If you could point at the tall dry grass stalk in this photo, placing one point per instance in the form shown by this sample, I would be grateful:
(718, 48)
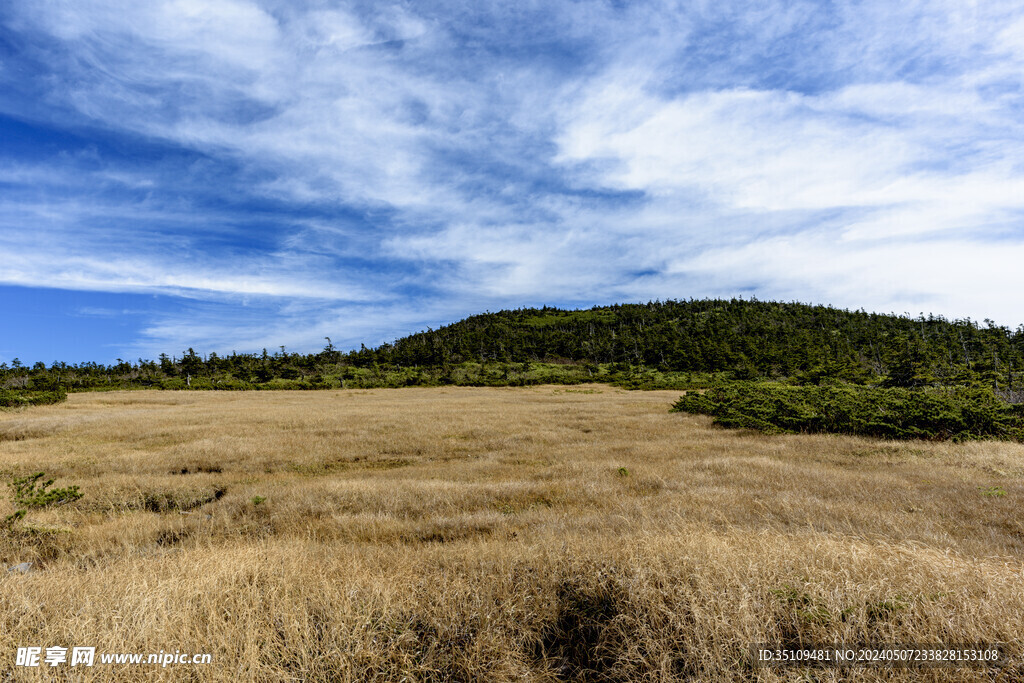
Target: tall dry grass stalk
(537, 534)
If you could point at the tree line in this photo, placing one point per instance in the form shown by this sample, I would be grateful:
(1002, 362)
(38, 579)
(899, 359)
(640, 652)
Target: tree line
(745, 339)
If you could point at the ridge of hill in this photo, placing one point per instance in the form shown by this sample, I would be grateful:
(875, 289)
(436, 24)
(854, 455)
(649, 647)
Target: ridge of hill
(749, 338)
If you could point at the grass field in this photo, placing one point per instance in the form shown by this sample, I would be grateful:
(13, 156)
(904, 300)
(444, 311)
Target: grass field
(534, 534)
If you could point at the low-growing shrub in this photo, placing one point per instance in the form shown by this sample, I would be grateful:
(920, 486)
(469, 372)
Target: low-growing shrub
(992, 491)
(17, 399)
(894, 413)
(28, 493)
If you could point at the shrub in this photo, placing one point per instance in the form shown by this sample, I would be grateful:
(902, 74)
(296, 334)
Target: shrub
(893, 413)
(27, 493)
(17, 399)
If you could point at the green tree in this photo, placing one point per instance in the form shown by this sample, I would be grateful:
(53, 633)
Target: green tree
(911, 364)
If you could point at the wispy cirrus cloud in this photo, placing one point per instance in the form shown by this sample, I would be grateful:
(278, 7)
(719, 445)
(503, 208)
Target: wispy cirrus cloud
(291, 169)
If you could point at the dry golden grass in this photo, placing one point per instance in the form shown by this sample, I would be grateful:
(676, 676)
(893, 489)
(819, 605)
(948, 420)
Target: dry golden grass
(490, 535)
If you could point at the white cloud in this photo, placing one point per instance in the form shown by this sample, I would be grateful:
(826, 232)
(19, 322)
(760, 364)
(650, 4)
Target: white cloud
(334, 121)
(941, 276)
(62, 270)
(249, 327)
(495, 155)
(777, 151)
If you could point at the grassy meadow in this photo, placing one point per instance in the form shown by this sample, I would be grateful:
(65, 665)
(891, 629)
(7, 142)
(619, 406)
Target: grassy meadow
(494, 534)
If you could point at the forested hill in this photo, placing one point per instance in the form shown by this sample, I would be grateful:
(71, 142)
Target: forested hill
(640, 345)
(750, 338)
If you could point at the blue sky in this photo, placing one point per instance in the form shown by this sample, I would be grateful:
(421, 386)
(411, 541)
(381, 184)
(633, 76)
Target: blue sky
(240, 174)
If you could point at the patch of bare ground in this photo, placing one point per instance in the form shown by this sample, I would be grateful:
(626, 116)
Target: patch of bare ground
(494, 535)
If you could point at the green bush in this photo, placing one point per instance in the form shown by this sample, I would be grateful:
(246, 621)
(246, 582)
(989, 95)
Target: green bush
(893, 413)
(28, 492)
(17, 399)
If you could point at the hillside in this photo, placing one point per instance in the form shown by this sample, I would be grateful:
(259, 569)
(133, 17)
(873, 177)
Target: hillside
(745, 339)
(748, 338)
